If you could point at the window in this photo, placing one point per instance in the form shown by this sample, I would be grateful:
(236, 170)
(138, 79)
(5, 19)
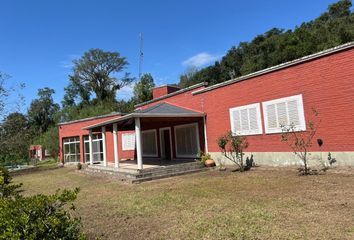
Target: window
(246, 120)
(71, 149)
(187, 140)
(97, 147)
(149, 143)
(128, 141)
(284, 112)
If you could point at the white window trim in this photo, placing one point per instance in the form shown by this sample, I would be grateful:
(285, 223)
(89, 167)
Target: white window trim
(71, 154)
(259, 120)
(124, 148)
(150, 155)
(198, 144)
(160, 132)
(93, 140)
(301, 127)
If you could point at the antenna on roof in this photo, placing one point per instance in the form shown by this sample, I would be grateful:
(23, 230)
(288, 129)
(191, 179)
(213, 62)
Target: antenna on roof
(141, 55)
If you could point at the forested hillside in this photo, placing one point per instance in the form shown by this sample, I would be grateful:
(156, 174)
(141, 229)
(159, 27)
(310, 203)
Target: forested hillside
(276, 46)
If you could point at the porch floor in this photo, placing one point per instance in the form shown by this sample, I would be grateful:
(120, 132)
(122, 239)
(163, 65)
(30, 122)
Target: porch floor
(152, 169)
(148, 163)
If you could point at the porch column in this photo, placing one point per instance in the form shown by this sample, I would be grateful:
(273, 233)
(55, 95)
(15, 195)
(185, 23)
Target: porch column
(138, 143)
(205, 135)
(115, 142)
(90, 144)
(104, 146)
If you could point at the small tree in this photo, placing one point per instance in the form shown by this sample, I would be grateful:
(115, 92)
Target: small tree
(301, 141)
(233, 147)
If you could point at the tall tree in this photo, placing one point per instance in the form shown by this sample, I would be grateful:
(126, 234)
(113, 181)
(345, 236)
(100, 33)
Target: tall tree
(15, 137)
(143, 88)
(42, 110)
(94, 73)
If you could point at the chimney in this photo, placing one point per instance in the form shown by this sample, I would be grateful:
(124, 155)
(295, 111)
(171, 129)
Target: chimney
(164, 90)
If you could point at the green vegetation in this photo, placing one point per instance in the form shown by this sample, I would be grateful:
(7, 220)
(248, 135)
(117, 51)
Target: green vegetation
(233, 148)
(143, 89)
(15, 138)
(38, 216)
(276, 46)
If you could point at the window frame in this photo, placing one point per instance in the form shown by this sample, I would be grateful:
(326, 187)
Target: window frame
(175, 138)
(247, 132)
(124, 135)
(95, 138)
(156, 145)
(300, 108)
(67, 141)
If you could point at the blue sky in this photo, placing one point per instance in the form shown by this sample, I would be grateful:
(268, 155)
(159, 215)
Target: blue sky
(39, 39)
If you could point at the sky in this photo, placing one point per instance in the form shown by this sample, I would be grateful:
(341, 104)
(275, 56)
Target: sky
(40, 38)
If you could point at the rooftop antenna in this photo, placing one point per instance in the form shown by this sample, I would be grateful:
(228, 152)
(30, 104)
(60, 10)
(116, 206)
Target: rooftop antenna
(141, 55)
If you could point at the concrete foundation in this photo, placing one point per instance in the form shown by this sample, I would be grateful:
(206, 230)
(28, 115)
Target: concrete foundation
(290, 159)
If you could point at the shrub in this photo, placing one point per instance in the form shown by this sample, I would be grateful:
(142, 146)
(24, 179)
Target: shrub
(233, 148)
(38, 216)
(301, 141)
(204, 156)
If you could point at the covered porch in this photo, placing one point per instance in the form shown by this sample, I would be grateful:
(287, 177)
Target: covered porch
(164, 135)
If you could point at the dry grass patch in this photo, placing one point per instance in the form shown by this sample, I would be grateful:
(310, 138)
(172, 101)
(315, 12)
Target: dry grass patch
(264, 203)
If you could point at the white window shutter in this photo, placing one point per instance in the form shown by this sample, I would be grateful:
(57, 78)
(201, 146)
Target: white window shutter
(246, 120)
(293, 113)
(284, 112)
(253, 118)
(128, 141)
(271, 116)
(236, 121)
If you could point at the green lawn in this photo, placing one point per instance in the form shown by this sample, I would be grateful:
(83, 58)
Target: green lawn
(260, 204)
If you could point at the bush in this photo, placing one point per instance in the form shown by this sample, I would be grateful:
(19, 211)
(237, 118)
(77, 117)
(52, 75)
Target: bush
(204, 156)
(38, 216)
(8, 190)
(233, 147)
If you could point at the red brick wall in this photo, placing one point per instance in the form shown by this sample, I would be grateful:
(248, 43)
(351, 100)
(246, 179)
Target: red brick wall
(326, 83)
(75, 129)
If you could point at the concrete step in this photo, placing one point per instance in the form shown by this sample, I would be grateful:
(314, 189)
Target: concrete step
(155, 177)
(147, 174)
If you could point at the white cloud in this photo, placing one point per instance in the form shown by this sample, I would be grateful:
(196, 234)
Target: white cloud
(200, 59)
(125, 93)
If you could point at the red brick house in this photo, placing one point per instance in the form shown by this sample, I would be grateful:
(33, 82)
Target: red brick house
(38, 152)
(177, 123)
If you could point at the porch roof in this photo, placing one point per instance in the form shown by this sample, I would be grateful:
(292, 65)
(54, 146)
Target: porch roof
(160, 110)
